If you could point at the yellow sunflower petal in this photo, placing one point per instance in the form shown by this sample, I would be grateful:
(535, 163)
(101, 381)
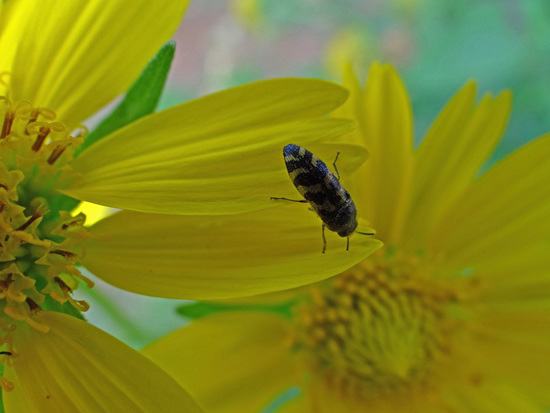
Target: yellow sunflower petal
(213, 257)
(93, 212)
(76, 367)
(353, 107)
(232, 362)
(459, 399)
(525, 373)
(13, 15)
(506, 210)
(522, 275)
(387, 133)
(492, 397)
(525, 366)
(454, 149)
(15, 402)
(506, 395)
(218, 154)
(510, 320)
(74, 57)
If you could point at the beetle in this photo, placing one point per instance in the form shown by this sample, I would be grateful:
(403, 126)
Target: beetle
(322, 189)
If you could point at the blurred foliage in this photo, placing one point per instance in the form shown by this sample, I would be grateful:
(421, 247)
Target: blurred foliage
(437, 46)
(198, 309)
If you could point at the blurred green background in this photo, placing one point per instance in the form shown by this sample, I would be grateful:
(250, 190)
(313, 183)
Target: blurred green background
(437, 45)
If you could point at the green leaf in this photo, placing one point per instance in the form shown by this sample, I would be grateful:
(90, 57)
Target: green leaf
(140, 100)
(200, 309)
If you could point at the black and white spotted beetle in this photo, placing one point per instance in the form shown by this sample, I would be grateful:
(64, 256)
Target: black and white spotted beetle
(322, 190)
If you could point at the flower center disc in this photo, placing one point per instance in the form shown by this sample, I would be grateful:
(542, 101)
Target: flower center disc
(376, 328)
(39, 241)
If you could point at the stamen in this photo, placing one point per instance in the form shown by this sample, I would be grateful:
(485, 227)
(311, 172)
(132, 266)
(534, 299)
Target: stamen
(80, 132)
(33, 118)
(14, 313)
(35, 215)
(6, 126)
(63, 285)
(30, 113)
(26, 111)
(76, 273)
(5, 283)
(36, 325)
(43, 132)
(76, 222)
(33, 307)
(16, 295)
(56, 153)
(80, 305)
(66, 254)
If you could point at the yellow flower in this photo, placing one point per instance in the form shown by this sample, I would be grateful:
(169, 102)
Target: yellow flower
(248, 12)
(351, 44)
(451, 316)
(62, 61)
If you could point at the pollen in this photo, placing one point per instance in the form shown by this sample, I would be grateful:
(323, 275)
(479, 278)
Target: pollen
(40, 245)
(381, 326)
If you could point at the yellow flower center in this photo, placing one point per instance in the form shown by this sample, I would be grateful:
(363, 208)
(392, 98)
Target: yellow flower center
(380, 326)
(40, 242)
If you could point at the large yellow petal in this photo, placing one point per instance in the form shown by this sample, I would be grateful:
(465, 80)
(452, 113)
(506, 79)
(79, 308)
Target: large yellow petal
(74, 56)
(218, 154)
(489, 397)
(223, 181)
(235, 362)
(454, 149)
(522, 370)
(521, 275)
(13, 15)
(506, 210)
(386, 125)
(509, 353)
(76, 367)
(506, 396)
(353, 107)
(213, 257)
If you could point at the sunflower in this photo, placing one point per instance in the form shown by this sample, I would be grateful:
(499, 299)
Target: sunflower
(452, 315)
(61, 62)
